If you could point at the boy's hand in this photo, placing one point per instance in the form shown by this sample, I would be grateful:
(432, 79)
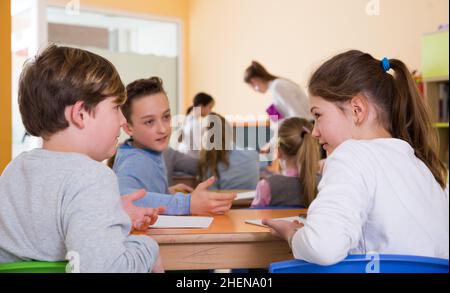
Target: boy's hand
(158, 266)
(282, 229)
(206, 202)
(140, 217)
(181, 187)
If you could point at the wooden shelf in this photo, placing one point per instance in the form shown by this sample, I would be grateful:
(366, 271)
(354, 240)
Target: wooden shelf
(440, 125)
(435, 52)
(431, 87)
(437, 79)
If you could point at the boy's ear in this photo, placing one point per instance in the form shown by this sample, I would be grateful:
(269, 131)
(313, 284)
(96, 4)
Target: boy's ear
(76, 114)
(128, 128)
(359, 107)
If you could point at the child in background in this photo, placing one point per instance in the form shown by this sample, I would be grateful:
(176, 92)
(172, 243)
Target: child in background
(62, 199)
(139, 161)
(299, 156)
(234, 169)
(383, 188)
(179, 164)
(201, 107)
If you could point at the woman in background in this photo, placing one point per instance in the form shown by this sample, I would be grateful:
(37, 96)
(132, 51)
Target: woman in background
(201, 107)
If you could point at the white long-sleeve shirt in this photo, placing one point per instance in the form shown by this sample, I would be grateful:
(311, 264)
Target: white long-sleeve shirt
(289, 99)
(375, 196)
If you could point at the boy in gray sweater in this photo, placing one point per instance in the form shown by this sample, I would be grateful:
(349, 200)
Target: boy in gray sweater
(60, 201)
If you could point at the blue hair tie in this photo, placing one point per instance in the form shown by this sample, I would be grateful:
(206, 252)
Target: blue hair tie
(385, 63)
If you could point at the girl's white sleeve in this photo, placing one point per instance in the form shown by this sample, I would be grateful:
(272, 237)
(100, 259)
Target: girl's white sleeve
(336, 217)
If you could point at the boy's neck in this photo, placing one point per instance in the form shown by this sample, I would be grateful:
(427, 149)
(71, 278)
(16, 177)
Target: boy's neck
(62, 142)
(137, 145)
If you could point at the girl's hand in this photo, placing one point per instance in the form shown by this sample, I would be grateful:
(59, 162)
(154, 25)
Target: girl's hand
(181, 187)
(282, 229)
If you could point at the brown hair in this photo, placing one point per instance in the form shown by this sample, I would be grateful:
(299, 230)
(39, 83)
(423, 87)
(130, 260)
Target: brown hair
(140, 88)
(400, 108)
(296, 142)
(210, 159)
(60, 77)
(135, 90)
(256, 70)
(200, 99)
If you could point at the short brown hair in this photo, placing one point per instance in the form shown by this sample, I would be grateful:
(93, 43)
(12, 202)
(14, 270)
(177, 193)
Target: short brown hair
(60, 77)
(140, 88)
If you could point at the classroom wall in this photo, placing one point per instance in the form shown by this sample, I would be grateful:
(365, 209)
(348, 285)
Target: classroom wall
(166, 9)
(292, 37)
(5, 84)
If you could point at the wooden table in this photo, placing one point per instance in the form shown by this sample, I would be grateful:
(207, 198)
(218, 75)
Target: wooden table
(228, 243)
(240, 203)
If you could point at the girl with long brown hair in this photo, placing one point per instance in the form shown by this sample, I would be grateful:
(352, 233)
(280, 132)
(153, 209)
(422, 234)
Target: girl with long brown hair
(233, 168)
(383, 188)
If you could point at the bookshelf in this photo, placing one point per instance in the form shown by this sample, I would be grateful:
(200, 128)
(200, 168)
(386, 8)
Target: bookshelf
(435, 52)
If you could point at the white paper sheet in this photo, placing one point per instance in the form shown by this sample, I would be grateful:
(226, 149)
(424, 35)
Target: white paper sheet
(289, 219)
(246, 195)
(182, 222)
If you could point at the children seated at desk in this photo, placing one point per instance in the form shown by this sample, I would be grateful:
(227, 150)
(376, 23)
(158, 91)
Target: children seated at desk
(139, 161)
(298, 153)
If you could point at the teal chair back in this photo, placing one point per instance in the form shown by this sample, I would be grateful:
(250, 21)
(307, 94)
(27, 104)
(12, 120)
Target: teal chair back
(34, 267)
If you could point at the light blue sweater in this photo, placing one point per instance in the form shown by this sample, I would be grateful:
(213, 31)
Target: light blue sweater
(141, 168)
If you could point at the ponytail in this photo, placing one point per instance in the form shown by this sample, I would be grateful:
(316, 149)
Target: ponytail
(307, 158)
(296, 141)
(411, 121)
(189, 110)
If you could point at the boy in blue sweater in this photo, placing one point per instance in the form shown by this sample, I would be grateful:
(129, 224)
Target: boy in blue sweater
(139, 162)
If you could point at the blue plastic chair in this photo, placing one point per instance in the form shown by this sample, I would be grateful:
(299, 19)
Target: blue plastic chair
(383, 263)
